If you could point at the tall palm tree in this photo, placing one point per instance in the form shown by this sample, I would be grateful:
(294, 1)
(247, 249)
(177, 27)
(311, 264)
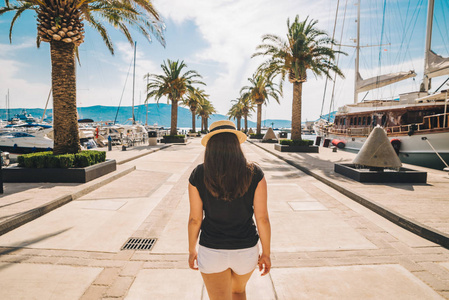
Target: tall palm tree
(247, 108)
(173, 84)
(306, 48)
(205, 110)
(193, 99)
(60, 23)
(260, 89)
(236, 112)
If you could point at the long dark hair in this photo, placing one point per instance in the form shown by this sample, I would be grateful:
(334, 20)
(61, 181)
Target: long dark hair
(227, 174)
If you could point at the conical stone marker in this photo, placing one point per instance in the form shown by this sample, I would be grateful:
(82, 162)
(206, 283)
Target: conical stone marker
(269, 135)
(377, 151)
(250, 131)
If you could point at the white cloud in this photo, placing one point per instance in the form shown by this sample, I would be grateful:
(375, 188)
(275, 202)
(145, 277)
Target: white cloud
(232, 30)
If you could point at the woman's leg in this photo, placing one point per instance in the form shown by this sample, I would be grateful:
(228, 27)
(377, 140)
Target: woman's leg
(218, 285)
(238, 285)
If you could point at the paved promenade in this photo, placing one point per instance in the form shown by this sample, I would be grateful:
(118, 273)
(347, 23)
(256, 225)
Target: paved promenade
(324, 244)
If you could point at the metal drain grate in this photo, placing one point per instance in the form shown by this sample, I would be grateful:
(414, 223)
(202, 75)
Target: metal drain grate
(139, 244)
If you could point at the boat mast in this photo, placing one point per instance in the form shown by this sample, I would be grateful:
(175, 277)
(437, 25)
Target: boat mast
(426, 80)
(134, 79)
(357, 51)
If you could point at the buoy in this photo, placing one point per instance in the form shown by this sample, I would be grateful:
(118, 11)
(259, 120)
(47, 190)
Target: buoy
(396, 143)
(338, 143)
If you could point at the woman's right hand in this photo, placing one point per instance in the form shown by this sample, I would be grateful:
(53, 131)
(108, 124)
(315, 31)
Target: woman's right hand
(264, 264)
(193, 256)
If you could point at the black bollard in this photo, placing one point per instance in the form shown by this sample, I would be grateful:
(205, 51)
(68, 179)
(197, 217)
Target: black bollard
(109, 143)
(1, 172)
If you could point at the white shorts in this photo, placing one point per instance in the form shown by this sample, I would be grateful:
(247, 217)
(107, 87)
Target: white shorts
(241, 261)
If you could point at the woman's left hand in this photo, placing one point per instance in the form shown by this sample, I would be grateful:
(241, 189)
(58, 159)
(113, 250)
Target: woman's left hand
(193, 256)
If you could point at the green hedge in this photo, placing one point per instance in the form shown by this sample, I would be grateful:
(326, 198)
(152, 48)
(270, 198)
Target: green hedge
(256, 136)
(174, 137)
(296, 142)
(48, 160)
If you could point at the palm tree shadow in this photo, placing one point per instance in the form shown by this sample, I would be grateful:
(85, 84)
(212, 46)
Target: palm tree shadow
(20, 245)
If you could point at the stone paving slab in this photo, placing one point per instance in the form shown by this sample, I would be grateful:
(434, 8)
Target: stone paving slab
(350, 282)
(36, 281)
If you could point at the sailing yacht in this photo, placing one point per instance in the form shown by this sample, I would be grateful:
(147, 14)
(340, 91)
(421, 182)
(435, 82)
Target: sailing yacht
(416, 124)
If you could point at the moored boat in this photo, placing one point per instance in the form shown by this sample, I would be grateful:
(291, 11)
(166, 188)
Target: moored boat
(416, 123)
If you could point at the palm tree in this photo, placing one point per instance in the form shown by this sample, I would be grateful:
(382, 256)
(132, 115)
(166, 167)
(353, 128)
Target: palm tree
(60, 23)
(205, 109)
(306, 48)
(247, 108)
(172, 84)
(236, 112)
(192, 101)
(260, 89)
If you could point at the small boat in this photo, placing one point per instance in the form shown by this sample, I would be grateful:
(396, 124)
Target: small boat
(22, 142)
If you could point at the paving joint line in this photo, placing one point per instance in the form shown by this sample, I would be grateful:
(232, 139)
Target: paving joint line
(409, 224)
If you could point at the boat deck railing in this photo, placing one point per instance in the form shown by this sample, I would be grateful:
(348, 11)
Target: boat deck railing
(430, 123)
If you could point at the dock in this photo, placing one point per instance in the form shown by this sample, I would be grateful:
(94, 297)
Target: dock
(328, 241)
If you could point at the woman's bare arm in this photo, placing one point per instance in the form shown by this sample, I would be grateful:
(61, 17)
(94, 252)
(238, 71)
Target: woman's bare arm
(195, 220)
(263, 225)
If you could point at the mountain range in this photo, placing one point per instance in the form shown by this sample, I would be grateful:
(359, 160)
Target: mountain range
(159, 114)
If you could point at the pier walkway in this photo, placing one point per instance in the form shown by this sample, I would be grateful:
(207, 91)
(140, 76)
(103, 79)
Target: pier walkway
(324, 244)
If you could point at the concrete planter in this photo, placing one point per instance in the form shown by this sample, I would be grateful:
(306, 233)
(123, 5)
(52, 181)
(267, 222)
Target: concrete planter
(404, 175)
(304, 149)
(74, 175)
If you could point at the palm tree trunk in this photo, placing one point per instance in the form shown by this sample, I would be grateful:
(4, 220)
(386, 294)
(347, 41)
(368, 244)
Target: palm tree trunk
(246, 123)
(206, 125)
(259, 119)
(238, 123)
(63, 79)
(193, 121)
(296, 110)
(174, 117)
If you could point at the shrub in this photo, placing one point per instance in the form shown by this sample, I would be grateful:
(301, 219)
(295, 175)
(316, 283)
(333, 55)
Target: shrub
(174, 137)
(256, 136)
(48, 160)
(66, 160)
(296, 142)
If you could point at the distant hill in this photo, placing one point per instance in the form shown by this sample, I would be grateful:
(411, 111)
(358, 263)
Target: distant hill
(160, 114)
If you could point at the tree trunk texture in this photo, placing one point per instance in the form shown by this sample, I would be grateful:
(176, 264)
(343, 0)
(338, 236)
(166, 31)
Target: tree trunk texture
(206, 123)
(63, 79)
(246, 123)
(238, 123)
(259, 119)
(174, 117)
(193, 121)
(296, 110)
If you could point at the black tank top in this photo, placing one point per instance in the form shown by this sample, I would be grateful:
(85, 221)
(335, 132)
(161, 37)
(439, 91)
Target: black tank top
(227, 224)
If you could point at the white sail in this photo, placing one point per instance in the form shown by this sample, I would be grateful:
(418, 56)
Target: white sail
(436, 65)
(363, 85)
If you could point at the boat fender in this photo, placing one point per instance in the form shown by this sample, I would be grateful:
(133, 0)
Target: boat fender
(338, 143)
(396, 143)
(413, 127)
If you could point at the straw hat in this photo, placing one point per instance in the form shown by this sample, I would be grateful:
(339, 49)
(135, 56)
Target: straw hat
(220, 127)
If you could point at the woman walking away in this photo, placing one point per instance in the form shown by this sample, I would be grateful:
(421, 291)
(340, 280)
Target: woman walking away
(229, 190)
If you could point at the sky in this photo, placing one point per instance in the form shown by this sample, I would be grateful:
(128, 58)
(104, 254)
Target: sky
(217, 38)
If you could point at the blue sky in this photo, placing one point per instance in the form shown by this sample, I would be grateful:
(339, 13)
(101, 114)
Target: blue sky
(217, 38)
